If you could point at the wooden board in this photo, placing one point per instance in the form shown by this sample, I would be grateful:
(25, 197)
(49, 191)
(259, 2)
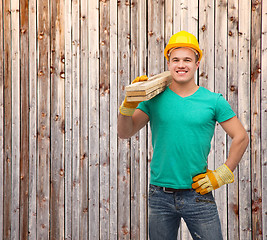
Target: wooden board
(84, 128)
(151, 82)
(57, 120)
(145, 92)
(142, 91)
(244, 206)
(146, 97)
(255, 118)
(24, 120)
(32, 194)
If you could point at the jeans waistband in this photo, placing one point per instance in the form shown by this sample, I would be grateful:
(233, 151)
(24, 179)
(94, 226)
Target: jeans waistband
(171, 190)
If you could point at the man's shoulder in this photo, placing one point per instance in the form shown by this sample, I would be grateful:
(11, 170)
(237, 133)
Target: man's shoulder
(209, 93)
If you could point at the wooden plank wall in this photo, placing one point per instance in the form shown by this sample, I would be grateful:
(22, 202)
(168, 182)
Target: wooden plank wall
(64, 66)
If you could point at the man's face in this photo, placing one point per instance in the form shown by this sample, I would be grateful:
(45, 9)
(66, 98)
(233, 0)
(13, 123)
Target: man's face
(182, 65)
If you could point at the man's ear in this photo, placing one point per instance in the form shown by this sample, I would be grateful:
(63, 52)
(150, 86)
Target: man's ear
(197, 63)
(168, 64)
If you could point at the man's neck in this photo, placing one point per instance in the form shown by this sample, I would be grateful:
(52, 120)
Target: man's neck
(184, 89)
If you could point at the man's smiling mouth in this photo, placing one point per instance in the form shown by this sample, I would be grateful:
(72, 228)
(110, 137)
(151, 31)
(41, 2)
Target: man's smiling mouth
(181, 72)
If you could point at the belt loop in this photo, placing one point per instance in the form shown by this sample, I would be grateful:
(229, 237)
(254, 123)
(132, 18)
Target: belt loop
(166, 191)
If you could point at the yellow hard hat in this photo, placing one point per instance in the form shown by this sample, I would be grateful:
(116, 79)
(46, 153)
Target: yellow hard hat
(182, 39)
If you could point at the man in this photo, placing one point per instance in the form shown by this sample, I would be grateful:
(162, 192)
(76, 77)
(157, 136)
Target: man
(182, 121)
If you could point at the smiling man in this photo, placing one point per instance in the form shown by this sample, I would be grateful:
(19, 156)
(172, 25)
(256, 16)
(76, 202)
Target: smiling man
(182, 121)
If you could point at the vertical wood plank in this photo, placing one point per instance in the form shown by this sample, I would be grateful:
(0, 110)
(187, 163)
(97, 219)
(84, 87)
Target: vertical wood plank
(68, 122)
(255, 120)
(43, 155)
(244, 116)
(185, 25)
(168, 24)
(220, 86)
(189, 16)
(142, 48)
(113, 120)
(155, 37)
(33, 120)
(264, 117)
(135, 147)
(57, 121)
(76, 204)
(104, 92)
(233, 218)
(24, 138)
(123, 144)
(176, 16)
(15, 78)
(7, 120)
(94, 120)
(2, 159)
(84, 122)
(206, 41)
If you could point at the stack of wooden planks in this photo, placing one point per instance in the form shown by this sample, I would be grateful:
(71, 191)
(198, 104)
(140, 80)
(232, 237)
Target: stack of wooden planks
(143, 91)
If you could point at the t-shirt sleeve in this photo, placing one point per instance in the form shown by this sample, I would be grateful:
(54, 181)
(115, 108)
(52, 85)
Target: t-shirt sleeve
(144, 106)
(223, 110)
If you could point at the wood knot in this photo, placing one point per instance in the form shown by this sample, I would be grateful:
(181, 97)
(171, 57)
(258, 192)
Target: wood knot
(62, 75)
(40, 73)
(23, 30)
(61, 172)
(204, 28)
(232, 88)
(41, 36)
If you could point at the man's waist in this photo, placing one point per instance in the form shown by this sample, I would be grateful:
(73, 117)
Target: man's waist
(171, 190)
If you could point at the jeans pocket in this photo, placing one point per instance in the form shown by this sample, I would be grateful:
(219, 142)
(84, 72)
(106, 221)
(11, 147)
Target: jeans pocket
(207, 198)
(153, 190)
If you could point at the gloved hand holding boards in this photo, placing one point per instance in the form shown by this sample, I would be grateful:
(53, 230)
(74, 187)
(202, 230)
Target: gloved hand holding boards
(128, 108)
(211, 180)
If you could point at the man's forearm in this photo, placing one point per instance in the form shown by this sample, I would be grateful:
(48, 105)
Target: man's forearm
(237, 149)
(125, 126)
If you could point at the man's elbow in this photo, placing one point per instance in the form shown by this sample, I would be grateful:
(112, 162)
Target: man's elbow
(123, 134)
(244, 139)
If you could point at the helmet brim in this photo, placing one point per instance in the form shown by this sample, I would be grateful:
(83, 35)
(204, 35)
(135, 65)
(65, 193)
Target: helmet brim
(177, 45)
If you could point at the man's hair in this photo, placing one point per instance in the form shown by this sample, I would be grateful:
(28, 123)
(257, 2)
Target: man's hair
(196, 53)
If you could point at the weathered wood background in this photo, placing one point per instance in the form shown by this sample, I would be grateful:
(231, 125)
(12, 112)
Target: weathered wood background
(64, 65)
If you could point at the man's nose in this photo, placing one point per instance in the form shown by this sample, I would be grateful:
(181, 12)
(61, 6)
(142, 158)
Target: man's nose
(181, 64)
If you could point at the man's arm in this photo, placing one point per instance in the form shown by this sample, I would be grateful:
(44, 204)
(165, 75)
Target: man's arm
(129, 125)
(240, 140)
(211, 180)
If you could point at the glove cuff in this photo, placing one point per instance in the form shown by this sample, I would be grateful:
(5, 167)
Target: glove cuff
(225, 174)
(126, 111)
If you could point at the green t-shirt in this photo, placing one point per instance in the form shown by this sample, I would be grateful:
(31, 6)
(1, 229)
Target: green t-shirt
(182, 130)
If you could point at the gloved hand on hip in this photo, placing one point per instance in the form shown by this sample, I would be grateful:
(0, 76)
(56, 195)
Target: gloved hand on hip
(211, 180)
(128, 108)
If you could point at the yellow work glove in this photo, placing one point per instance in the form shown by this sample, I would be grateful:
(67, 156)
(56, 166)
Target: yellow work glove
(211, 180)
(128, 108)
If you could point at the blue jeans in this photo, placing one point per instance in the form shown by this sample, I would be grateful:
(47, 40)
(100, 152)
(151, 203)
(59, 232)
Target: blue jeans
(198, 211)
